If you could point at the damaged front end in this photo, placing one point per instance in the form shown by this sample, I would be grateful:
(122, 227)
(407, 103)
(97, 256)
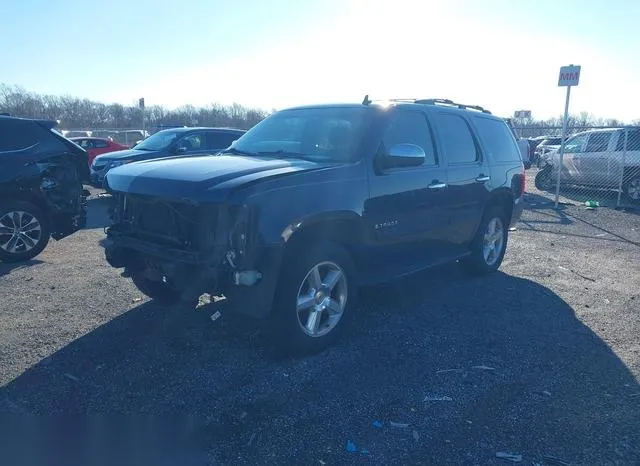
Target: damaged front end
(63, 195)
(195, 247)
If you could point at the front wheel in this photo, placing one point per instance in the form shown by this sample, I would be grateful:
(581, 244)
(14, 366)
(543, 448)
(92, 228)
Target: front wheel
(316, 296)
(490, 243)
(544, 179)
(24, 231)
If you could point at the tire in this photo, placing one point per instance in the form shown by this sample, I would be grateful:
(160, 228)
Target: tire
(309, 313)
(544, 179)
(31, 235)
(485, 259)
(162, 292)
(632, 188)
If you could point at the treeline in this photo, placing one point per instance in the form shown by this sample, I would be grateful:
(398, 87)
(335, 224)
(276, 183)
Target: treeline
(77, 113)
(553, 126)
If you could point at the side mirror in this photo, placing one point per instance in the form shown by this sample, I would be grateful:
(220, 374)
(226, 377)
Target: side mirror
(405, 155)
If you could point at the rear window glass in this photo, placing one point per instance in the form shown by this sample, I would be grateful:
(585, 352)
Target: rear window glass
(497, 139)
(17, 135)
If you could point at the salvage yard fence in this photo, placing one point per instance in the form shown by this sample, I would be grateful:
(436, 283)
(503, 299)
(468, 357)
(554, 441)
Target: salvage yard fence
(600, 166)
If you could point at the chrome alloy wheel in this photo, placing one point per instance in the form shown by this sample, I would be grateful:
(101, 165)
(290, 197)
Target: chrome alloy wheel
(493, 241)
(322, 298)
(19, 232)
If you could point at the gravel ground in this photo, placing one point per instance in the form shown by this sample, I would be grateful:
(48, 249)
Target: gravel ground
(540, 359)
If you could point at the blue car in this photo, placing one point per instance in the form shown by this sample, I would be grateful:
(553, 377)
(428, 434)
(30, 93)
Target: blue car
(166, 143)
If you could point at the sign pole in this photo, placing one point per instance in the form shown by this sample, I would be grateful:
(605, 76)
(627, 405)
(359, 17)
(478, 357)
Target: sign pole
(565, 121)
(569, 76)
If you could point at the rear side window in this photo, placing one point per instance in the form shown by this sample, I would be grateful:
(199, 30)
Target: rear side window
(410, 128)
(497, 139)
(457, 140)
(17, 134)
(598, 142)
(98, 144)
(633, 140)
(219, 140)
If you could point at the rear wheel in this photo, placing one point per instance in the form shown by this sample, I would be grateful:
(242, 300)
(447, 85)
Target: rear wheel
(632, 187)
(316, 297)
(24, 231)
(490, 243)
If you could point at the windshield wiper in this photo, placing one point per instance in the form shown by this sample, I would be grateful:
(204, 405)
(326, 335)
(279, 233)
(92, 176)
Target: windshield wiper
(233, 150)
(286, 153)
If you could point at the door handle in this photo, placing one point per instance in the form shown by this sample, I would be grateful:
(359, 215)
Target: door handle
(482, 178)
(437, 185)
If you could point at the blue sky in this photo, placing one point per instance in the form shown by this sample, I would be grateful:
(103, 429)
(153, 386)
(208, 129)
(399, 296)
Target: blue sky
(501, 54)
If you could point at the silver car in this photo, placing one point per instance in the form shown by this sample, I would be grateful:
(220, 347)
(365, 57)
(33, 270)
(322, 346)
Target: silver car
(599, 159)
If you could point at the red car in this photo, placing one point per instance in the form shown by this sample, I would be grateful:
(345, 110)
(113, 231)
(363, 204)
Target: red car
(97, 146)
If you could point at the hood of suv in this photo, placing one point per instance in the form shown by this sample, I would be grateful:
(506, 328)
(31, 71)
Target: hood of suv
(131, 154)
(195, 177)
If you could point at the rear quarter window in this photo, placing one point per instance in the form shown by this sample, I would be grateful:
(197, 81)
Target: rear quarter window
(17, 134)
(497, 139)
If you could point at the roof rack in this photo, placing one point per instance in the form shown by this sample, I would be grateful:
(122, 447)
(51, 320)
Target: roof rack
(448, 102)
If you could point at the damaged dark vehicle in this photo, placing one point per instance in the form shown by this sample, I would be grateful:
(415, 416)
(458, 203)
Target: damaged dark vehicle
(41, 190)
(314, 202)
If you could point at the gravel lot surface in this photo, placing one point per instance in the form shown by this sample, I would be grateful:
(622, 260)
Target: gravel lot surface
(540, 359)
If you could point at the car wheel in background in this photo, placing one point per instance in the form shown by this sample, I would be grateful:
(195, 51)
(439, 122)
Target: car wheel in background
(24, 231)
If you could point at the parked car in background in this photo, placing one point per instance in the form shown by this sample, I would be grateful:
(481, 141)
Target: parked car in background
(546, 145)
(312, 203)
(41, 192)
(169, 142)
(97, 146)
(597, 159)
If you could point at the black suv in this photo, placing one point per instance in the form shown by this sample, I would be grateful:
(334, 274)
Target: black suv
(176, 141)
(314, 202)
(41, 192)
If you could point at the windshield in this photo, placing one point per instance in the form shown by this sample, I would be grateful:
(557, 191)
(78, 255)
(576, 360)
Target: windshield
(160, 140)
(328, 134)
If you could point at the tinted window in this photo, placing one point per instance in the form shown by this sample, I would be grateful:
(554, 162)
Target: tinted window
(598, 142)
(410, 128)
(220, 141)
(17, 134)
(633, 140)
(457, 139)
(192, 142)
(98, 144)
(497, 140)
(329, 133)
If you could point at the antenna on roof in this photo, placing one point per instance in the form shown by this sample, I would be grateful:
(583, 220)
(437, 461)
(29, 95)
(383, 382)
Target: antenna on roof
(366, 100)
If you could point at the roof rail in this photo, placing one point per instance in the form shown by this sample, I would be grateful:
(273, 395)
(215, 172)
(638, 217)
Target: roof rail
(452, 104)
(448, 102)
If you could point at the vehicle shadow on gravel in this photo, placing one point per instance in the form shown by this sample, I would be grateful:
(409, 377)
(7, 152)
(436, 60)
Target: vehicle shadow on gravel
(503, 362)
(8, 267)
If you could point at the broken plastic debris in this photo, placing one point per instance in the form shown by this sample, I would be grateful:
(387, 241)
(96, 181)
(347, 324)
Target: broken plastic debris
(377, 424)
(136, 300)
(512, 229)
(513, 457)
(437, 398)
(215, 316)
(399, 425)
(351, 447)
(546, 392)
